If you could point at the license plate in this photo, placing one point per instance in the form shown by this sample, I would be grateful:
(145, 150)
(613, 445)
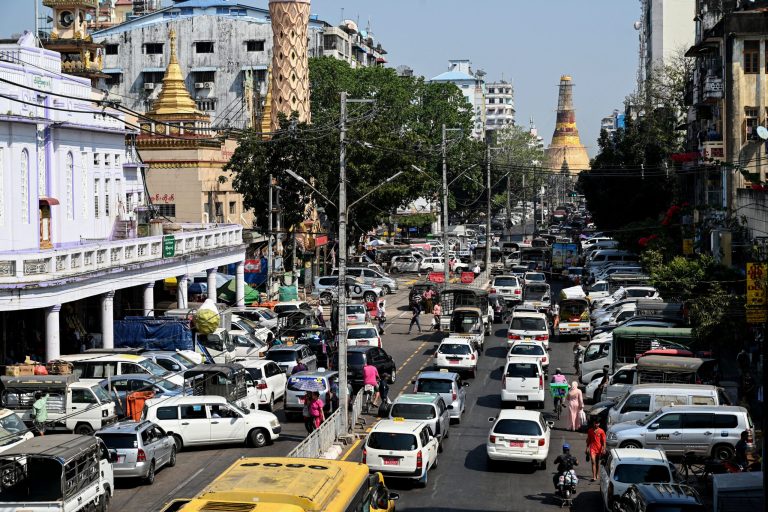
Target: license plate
(573, 325)
(362, 343)
(528, 338)
(391, 461)
(453, 361)
(351, 317)
(522, 397)
(516, 444)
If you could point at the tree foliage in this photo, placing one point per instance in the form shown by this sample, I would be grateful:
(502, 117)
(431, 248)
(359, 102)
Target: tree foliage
(400, 130)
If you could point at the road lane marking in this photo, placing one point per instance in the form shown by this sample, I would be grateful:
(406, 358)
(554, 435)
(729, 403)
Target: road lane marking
(351, 449)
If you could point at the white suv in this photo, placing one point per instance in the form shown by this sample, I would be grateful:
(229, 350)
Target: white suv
(522, 380)
(457, 355)
(519, 436)
(432, 264)
(508, 287)
(528, 326)
(401, 448)
(626, 466)
(206, 420)
(530, 349)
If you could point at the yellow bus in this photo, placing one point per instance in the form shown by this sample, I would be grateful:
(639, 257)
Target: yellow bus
(284, 484)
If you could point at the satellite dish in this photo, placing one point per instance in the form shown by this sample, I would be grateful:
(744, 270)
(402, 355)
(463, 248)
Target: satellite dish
(762, 132)
(638, 25)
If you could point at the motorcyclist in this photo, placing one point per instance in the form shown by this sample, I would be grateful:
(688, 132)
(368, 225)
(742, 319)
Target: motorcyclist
(565, 462)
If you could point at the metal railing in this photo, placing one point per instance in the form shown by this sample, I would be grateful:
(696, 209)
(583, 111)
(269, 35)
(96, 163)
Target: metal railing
(321, 439)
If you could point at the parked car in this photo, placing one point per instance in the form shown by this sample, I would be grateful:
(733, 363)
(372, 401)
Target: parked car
(520, 436)
(270, 380)
(448, 385)
(624, 467)
(679, 430)
(142, 449)
(661, 497)
(401, 449)
(326, 290)
(372, 277)
(643, 399)
(427, 407)
(264, 317)
(432, 264)
(94, 366)
(195, 421)
(14, 430)
(291, 305)
(288, 356)
(403, 264)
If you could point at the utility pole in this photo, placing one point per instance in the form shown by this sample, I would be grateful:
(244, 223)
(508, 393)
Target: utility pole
(270, 254)
(446, 270)
(341, 293)
(508, 220)
(37, 21)
(488, 236)
(525, 206)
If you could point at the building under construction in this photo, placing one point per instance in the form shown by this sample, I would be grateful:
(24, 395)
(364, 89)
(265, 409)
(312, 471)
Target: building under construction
(566, 151)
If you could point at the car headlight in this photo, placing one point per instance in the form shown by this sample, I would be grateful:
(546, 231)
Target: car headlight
(274, 423)
(612, 436)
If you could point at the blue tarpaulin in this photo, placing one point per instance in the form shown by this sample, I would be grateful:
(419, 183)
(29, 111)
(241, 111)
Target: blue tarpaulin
(153, 333)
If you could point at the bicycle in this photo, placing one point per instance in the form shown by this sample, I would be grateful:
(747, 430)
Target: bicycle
(367, 398)
(558, 390)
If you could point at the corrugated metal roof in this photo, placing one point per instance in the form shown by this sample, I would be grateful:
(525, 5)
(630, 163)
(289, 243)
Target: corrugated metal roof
(453, 76)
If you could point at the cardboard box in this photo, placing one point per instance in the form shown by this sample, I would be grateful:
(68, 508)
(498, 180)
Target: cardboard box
(20, 370)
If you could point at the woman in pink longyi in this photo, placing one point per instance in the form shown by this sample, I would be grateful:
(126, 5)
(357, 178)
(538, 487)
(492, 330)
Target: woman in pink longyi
(575, 403)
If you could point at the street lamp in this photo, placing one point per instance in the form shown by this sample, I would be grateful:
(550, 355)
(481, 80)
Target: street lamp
(308, 184)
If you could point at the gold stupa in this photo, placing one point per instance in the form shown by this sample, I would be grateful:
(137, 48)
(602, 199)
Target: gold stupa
(566, 148)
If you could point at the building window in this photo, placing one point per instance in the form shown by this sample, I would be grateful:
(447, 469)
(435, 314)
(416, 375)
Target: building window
(205, 76)
(117, 160)
(751, 56)
(96, 192)
(232, 207)
(84, 184)
(97, 159)
(107, 160)
(113, 79)
(219, 207)
(107, 183)
(153, 48)
(166, 210)
(110, 49)
(750, 122)
(24, 186)
(254, 45)
(206, 105)
(204, 47)
(69, 175)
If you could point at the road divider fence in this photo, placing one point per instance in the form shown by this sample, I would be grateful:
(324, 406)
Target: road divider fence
(323, 438)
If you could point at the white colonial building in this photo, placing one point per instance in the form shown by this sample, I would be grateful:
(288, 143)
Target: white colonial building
(472, 86)
(76, 248)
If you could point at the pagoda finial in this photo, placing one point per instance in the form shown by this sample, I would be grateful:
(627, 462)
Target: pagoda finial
(172, 35)
(174, 97)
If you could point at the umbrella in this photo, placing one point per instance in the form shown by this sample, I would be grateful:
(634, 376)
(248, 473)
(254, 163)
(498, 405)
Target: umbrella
(307, 383)
(227, 293)
(198, 288)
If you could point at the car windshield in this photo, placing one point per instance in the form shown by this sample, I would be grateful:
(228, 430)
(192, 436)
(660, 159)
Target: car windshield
(281, 356)
(285, 307)
(527, 350)
(167, 385)
(454, 348)
(413, 411)
(641, 474)
(535, 277)
(13, 424)
(359, 334)
(183, 361)
(433, 386)
(119, 441)
(306, 383)
(522, 370)
(357, 309)
(101, 394)
(466, 322)
(535, 292)
(255, 373)
(528, 324)
(392, 441)
(517, 427)
(154, 368)
(639, 293)
(505, 281)
(247, 325)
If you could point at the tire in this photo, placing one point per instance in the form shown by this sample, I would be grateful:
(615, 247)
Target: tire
(326, 298)
(631, 444)
(258, 437)
(357, 290)
(369, 297)
(386, 289)
(543, 464)
(150, 478)
(104, 500)
(179, 442)
(423, 481)
(394, 270)
(428, 269)
(271, 404)
(393, 376)
(83, 429)
(172, 460)
(434, 466)
(723, 452)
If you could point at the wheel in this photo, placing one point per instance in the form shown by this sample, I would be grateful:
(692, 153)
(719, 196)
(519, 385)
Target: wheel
(543, 464)
(172, 460)
(439, 449)
(83, 429)
(434, 466)
(723, 452)
(150, 478)
(271, 404)
(393, 376)
(258, 437)
(369, 297)
(631, 444)
(393, 270)
(179, 442)
(386, 289)
(428, 269)
(326, 298)
(424, 480)
(104, 500)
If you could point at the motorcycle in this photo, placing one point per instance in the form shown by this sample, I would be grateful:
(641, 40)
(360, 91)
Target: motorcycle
(566, 487)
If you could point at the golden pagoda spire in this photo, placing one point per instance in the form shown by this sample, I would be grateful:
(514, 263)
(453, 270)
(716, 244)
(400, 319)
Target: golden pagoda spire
(174, 98)
(266, 114)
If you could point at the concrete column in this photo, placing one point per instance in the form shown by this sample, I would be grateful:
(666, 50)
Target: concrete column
(108, 320)
(181, 291)
(240, 283)
(212, 283)
(149, 299)
(52, 336)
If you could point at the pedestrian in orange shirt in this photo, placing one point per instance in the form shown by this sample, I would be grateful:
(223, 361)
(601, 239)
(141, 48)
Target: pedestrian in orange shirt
(595, 447)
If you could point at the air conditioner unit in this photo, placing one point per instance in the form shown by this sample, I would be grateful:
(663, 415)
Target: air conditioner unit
(203, 85)
(149, 86)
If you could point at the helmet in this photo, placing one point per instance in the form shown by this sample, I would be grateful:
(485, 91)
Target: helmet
(558, 371)
(566, 447)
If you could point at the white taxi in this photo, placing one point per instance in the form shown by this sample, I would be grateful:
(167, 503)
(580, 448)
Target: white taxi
(530, 349)
(457, 355)
(518, 435)
(365, 335)
(528, 325)
(400, 448)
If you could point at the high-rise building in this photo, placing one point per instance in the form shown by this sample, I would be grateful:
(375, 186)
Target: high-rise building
(499, 105)
(566, 147)
(472, 86)
(610, 124)
(666, 27)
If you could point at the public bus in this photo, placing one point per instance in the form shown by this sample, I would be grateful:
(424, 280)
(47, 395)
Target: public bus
(286, 484)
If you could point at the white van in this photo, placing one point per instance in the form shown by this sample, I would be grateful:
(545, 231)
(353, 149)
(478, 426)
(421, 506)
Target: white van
(643, 399)
(73, 406)
(210, 420)
(602, 257)
(97, 367)
(522, 380)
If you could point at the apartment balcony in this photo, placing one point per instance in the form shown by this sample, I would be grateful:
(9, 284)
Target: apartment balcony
(713, 149)
(23, 268)
(713, 89)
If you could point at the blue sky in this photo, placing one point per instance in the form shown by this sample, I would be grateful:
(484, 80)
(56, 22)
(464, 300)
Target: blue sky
(529, 42)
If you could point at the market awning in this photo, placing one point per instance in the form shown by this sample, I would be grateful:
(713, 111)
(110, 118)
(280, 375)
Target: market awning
(203, 69)
(153, 70)
(254, 67)
(227, 293)
(113, 71)
(50, 201)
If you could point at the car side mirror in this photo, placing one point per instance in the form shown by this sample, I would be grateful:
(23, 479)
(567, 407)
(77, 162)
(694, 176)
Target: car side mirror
(393, 496)
(491, 419)
(551, 424)
(413, 382)
(653, 426)
(464, 384)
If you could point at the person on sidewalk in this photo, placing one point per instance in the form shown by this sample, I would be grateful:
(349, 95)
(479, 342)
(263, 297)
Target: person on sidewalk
(415, 312)
(40, 412)
(316, 410)
(575, 403)
(319, 315)
(596, 446)
(436, 312)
